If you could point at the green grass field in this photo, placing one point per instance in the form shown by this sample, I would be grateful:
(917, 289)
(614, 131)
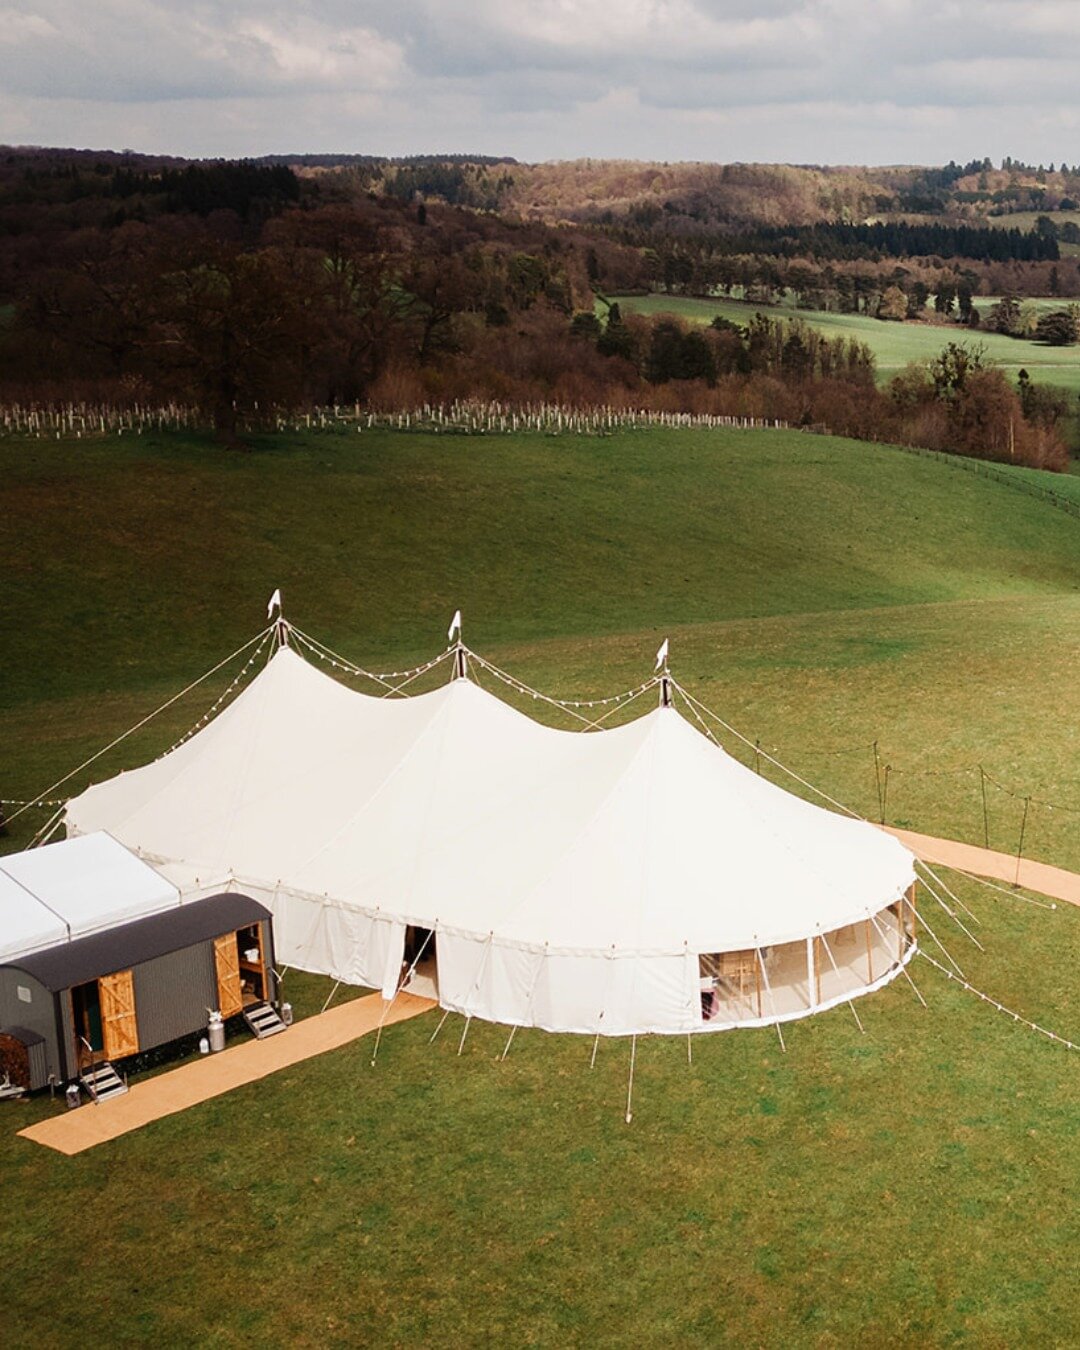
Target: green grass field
(1025, 220)
(893, 344)
(915, 1186)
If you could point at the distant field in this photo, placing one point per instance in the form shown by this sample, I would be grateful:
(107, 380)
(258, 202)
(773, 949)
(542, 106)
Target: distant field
(1025, 220)
(913, 1186)
(894, 344)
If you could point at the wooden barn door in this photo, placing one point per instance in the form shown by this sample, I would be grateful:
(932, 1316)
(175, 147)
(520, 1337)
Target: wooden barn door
(120, 1030)
(227, 963)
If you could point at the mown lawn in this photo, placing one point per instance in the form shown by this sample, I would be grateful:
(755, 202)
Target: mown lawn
(916, 1185)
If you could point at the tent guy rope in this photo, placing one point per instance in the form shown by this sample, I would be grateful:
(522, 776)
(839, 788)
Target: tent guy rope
(148, 718)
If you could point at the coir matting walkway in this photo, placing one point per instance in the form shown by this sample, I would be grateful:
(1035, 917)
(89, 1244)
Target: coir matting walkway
(985, 862)
(211, 1076)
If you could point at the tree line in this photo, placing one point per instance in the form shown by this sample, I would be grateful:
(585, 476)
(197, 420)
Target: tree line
(250, 295)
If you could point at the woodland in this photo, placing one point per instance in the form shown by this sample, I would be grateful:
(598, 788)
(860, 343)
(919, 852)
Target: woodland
(250, 289)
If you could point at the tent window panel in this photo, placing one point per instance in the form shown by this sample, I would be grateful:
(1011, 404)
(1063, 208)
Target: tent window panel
(856, 955)
(730, 986)
(788, 982)
(910, 916)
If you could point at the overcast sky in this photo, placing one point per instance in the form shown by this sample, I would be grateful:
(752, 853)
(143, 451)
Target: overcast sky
(829, 81)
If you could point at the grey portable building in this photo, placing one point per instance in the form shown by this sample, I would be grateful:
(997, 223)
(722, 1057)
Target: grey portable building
(132, 988)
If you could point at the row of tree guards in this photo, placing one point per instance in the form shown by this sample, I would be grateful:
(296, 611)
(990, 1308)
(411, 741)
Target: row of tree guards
(467, 417)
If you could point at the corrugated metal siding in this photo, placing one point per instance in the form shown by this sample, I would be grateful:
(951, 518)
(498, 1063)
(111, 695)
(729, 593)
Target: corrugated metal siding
(38, 1015)
(172, 994)
(39, 1066)
(67, 1026)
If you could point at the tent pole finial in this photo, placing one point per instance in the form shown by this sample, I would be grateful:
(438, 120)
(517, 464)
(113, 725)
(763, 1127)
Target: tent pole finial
(665, 674)
(458, 648)
(281, 628)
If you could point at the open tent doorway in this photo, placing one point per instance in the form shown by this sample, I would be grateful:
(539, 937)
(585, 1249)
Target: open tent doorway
(421, 959)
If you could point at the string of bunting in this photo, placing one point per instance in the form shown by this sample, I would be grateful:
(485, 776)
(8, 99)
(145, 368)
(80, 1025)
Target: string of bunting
(1026, 797)
(1001, 1008)
(34, 801)
(565, 704)
(143, 721)
(339, 662)
(216, 706)
(819, 750)
(893, 771)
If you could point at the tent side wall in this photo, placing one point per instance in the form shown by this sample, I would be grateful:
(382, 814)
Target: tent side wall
(611, 994)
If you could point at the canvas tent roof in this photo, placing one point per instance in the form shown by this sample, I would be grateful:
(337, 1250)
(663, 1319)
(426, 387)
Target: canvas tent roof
(73, 888)
(452, 808)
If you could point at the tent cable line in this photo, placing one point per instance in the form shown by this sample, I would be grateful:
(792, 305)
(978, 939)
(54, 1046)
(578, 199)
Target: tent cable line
(143, 721)
(903, 965)
(694, 705)
(385, 678)
(216, 706)
(398, 988)
(1016, 1017)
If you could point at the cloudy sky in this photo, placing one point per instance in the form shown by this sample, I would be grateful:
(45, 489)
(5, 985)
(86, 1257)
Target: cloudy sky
(833, 81)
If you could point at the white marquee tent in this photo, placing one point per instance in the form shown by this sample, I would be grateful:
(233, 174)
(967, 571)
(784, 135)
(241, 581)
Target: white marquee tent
(620, 881)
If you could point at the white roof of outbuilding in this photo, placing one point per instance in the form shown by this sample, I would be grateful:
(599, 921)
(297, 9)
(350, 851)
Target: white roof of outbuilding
(453, 807)
(25, 924)
(69, 889)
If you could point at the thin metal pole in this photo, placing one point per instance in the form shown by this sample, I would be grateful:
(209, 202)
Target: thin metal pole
(986, 817)
(1020, 850)
(900, 961)
(847, 997)
(630, 1083)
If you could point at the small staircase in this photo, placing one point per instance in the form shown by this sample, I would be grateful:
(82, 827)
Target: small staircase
(263, 1020)
(102, 1082)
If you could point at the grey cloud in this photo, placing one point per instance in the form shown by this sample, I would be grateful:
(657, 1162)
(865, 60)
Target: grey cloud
(544, 77)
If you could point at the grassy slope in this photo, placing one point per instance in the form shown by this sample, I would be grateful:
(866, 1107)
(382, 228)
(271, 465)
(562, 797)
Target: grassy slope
(918, 1184)
(894, 344)
(1025, 220)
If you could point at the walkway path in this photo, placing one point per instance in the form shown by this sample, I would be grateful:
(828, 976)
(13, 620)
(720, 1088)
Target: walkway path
(984, 862)
(74, 1131)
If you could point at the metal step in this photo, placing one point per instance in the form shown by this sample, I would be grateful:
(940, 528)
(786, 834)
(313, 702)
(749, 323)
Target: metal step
(263, 1020)
(103, 1082)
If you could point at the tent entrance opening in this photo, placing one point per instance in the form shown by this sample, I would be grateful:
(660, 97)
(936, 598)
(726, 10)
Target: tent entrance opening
(420, 957)
(86, 1015)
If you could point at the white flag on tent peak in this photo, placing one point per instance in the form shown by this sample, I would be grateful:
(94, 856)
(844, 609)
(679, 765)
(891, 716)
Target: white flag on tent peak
(661, 655)
(455, 626)
(275, 603)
